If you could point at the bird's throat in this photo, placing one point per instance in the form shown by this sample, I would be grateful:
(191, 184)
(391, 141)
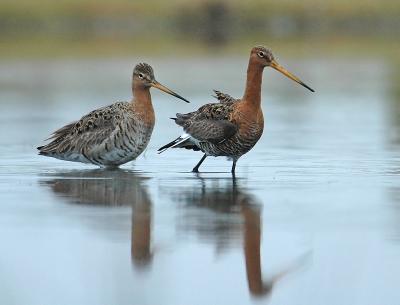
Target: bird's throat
(141, 104)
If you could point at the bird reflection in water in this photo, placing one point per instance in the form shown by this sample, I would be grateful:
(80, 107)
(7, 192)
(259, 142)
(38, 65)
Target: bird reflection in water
(236, 215)
(114, 188)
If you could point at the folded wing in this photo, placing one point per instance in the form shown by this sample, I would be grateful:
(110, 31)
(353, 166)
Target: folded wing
(86, 134)
(209, 130)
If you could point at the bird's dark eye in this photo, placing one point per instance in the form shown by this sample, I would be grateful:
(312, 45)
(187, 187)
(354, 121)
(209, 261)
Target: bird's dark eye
(141, 76)
(261, 54)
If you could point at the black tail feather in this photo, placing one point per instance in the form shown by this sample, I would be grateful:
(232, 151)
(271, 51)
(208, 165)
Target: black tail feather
(166, 146)
(187, 144)
(42, 151)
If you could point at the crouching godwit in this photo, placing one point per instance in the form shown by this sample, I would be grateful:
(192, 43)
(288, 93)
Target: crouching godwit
(111, 135)
(233, 126)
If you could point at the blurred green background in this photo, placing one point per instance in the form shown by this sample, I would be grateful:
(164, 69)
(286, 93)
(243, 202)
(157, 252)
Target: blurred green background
(84, 28)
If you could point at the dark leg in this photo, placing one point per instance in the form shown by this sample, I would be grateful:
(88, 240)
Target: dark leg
(233, 167)
(196, 168)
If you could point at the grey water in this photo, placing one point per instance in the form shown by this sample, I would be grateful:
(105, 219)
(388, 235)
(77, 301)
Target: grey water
(312, 217)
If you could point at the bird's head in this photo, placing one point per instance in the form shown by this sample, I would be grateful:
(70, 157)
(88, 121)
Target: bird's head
(143, 76)
(264, 57)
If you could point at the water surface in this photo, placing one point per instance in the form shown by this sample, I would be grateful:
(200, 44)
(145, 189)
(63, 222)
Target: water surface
(311, 218)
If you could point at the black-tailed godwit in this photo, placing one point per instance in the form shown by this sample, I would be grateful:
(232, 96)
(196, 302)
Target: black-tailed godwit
(233, 126)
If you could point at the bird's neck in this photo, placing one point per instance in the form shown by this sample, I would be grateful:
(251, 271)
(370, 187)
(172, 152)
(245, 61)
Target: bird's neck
(252, 94)
(141, 102)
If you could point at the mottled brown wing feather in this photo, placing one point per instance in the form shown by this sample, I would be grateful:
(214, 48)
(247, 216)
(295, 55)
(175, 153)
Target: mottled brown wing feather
(214, 131)
(214, 111)
(92, 129)
(209, 123)
(61, 131)
(223, 97)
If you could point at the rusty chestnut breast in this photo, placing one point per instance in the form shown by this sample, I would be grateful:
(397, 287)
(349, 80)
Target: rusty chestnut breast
(111, 135)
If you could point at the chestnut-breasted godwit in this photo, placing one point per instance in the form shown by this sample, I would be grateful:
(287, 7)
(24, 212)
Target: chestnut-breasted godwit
(233, 126)
(111, 135)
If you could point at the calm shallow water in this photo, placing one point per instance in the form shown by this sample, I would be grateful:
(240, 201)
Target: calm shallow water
(312, 217)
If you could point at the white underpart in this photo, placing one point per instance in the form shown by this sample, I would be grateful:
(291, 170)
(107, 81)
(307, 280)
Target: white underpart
(182, 139)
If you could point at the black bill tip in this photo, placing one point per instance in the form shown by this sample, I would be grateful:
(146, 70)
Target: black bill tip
(309, 88)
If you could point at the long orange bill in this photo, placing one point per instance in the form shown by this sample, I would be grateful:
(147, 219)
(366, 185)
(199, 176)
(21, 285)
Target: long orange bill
(157, 85)
(281, 69)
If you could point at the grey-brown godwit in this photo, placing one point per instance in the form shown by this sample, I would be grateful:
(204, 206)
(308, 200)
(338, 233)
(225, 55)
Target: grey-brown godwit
(111, 135)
